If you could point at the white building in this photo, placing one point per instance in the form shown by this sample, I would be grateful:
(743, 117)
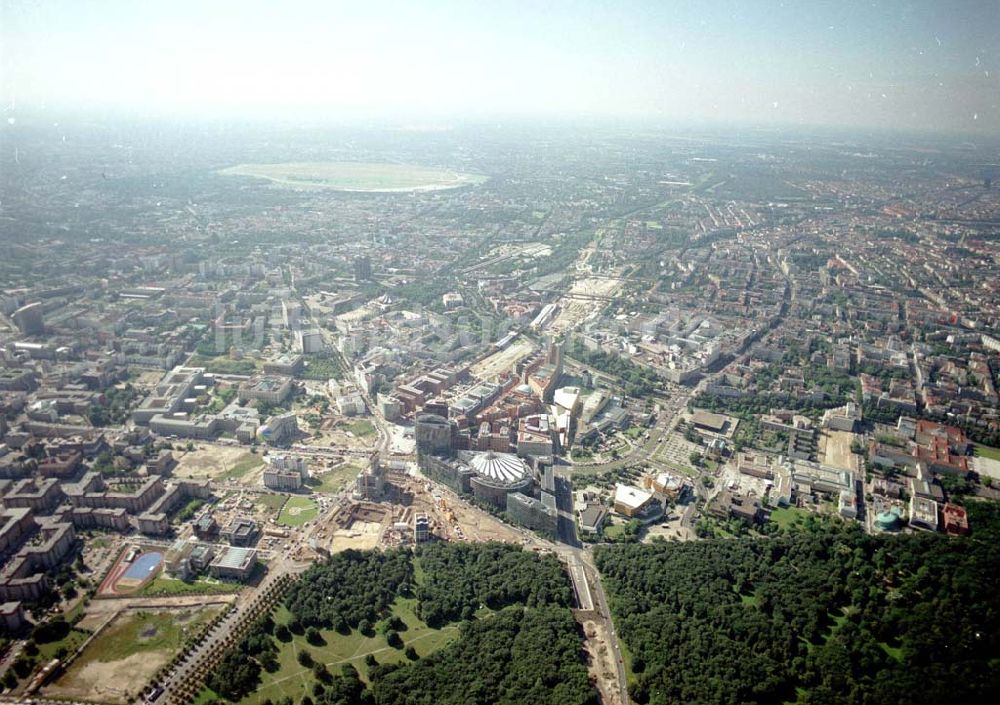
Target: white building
(285, 472)
(631, 501)
(351, 405)
(310, 342)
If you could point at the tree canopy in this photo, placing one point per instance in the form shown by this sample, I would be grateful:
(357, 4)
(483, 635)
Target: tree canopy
(828, 615)
(529, 651)
(350, 587)
(461, 577)
(515, 656)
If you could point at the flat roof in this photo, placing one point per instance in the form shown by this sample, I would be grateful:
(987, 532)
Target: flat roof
(235, 557)
(709, 420)
(592, 515)
(669, 480)
(631, 496)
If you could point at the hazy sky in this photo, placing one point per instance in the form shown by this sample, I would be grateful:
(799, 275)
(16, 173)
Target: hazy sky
(923, 64)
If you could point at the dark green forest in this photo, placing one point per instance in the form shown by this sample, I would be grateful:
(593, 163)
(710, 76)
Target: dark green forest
(516, 656)
(527, 649)
(349, 588)
(461, 577)
(824, 615)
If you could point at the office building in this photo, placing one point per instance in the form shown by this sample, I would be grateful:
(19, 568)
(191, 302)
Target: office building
(421, 529)
(234, 564)
(29, 319)
(362, 268)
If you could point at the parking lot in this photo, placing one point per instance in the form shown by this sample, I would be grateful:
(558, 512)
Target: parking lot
(675, 451)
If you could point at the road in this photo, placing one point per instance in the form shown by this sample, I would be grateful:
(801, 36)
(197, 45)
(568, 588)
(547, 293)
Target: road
(182, 672)
(601, 600)
(582, 560)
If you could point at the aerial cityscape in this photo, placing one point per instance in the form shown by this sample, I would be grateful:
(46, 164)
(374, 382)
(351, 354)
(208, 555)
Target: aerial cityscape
(513, 410)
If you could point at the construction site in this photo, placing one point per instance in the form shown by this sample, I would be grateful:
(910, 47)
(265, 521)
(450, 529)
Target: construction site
(363, 524)
(503, 360)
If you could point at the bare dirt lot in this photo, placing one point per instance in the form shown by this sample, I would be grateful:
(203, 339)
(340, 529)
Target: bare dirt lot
(208, 462)
(600, 662)
(126, 654)
(836, 447)
(149, 378)
(575, 310)
(478, 526)
(362, 535)
(108, 682)
(340, 432)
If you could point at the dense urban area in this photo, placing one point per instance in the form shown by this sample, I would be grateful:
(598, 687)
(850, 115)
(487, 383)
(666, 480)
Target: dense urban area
(497, 414)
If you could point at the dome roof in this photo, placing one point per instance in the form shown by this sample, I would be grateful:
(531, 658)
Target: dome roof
(887, 520)
(499, 467)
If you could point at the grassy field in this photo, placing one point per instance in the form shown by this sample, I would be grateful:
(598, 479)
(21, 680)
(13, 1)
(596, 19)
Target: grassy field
(170, 586)
(336, 479)
(223, 365)
(987, 452)
(143, 631)
(273, 502)
(244, 465)
(212, 462)
(614, 531)
(292, 679)
(787, 516)
(297, 511)
(71, 642)
(355, 176)
(360, 428)
(205, 695)
(77, 611)
(630, 677)
(895, 652)
(116, 663)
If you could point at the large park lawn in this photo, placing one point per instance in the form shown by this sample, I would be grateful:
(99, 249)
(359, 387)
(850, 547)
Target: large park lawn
(293, 679)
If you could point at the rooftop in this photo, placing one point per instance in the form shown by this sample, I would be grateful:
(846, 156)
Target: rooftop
(631, 497)
(234, 557)
(503, 467)
(714, 422)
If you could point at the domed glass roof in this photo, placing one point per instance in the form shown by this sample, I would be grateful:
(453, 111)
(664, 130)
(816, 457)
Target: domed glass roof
(501, 467)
